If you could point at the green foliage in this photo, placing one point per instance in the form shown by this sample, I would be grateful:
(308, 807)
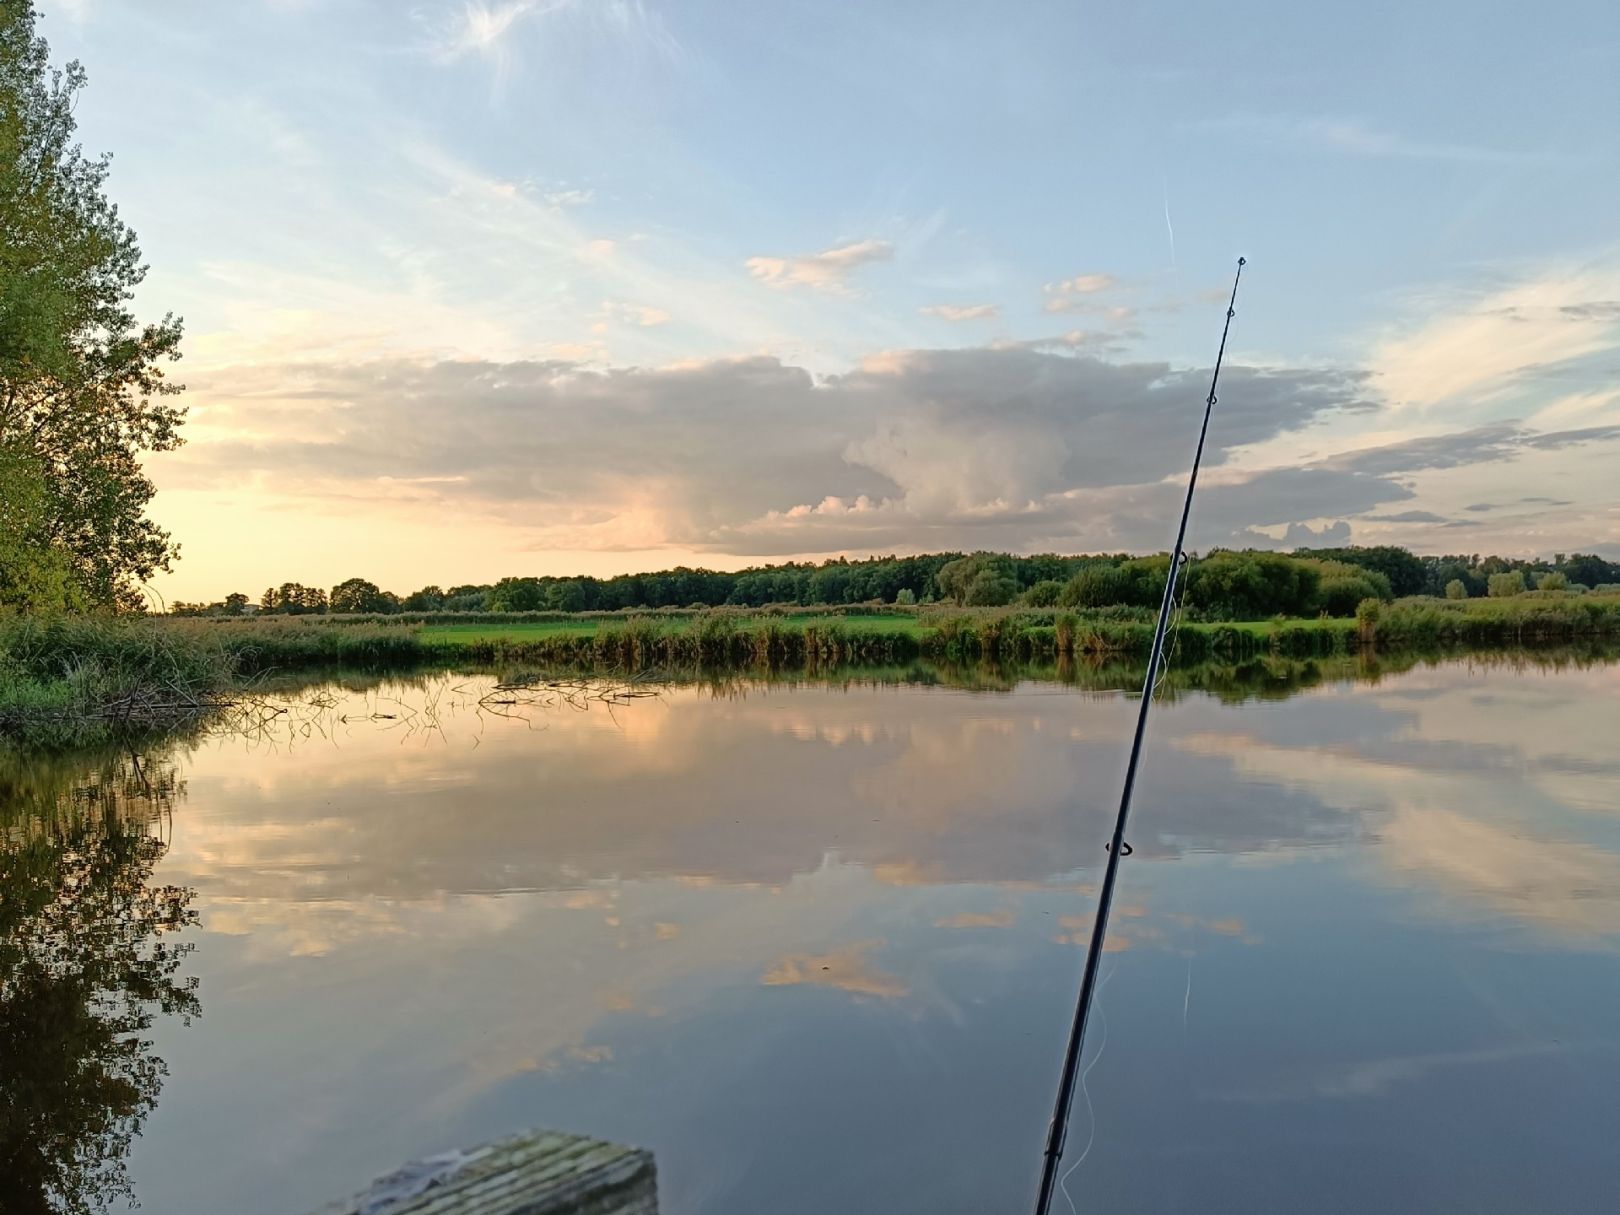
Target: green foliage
(1252, 585)
(1502, 620)
(991, 588)
(566, 596)
(34, 576)
(1456, 589)
(1554, 581)
(983, 579)
(1096, 586)
(1045, 593)
(82, 386)
(359, 595)
(1368, 613)
(293, 599)
(73, 679)
(1222, 586)
(1343, 586)
(428, 599)
(1506, 585)
(516, 595)
(1407, 574)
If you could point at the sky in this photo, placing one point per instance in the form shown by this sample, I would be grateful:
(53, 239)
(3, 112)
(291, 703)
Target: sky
(476, 288)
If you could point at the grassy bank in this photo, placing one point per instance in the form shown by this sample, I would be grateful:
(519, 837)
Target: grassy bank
(77, 679)
(755, 636)
(1532, 619)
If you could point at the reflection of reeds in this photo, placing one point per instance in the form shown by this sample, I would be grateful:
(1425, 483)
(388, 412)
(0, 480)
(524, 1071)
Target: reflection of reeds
(54, 792)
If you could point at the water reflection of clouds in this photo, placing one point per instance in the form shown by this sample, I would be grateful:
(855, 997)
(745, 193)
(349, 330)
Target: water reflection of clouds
(527, 913)
(848, 968)
(1467, 795)
(937, 788)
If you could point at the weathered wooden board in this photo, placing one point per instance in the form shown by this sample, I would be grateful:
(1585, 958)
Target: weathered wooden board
(535, 1173)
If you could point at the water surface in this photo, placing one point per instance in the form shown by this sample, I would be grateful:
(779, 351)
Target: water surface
(816, 944)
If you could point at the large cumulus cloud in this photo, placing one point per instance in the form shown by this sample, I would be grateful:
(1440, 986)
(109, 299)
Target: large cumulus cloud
(1005, 447)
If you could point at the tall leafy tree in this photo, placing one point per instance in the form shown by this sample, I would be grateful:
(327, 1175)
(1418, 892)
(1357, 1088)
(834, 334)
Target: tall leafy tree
(83, 393)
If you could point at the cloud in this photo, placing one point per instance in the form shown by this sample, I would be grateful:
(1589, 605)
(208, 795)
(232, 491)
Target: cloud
(1482, 345)
(828, 270)
(1410, 516)
(484, 27)
(1018, 446)
(1480, 445)
(635, 314)
(567, 198)
(961, 312)
(1073, 295)
(481, 28)
(1355, 137)
(940, 448)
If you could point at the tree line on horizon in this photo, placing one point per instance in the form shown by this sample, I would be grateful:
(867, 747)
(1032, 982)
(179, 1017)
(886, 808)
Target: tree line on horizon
(1222, 585)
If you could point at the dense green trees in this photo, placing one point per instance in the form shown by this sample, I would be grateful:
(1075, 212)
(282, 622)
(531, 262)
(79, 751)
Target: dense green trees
(293, 599)
(981, 580)
(1220, 585)
(1044, 594)
(517, 595)
(1343, 586)
(428, 599)
(1406, 572)
(359, 595)
(1252, 585)
(82, 387)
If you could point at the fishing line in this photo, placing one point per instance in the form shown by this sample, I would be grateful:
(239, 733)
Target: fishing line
(1058, 1131)
(1085, 1091)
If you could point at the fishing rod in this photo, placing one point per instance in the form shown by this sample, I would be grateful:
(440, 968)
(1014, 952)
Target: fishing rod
(1117, 847)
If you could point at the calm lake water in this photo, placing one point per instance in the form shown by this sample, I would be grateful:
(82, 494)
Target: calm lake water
(817, 945)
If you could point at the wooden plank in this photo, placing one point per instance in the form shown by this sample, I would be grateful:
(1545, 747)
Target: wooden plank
(534, 1173)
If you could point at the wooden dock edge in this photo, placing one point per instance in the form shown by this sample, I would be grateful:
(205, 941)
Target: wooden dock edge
(534, 1173)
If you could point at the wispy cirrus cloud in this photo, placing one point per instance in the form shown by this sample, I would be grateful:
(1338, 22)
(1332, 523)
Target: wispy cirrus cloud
(481, 28)
(485, 28)
(1488, 342)
(1353, 136)
(828, 270)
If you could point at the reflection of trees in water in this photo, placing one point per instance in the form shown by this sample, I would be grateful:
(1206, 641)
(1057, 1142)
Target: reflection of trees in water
(88, 960)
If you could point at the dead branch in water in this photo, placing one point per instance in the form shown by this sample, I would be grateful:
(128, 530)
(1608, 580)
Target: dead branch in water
(579, 693)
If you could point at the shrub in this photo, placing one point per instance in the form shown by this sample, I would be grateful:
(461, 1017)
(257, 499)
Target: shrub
(1368, 612)
(1044, 594)
(1505, 586)
(1456, 589)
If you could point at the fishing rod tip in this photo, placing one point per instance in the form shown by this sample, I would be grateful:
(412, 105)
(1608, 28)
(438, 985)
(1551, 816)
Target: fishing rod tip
(1243, 261)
